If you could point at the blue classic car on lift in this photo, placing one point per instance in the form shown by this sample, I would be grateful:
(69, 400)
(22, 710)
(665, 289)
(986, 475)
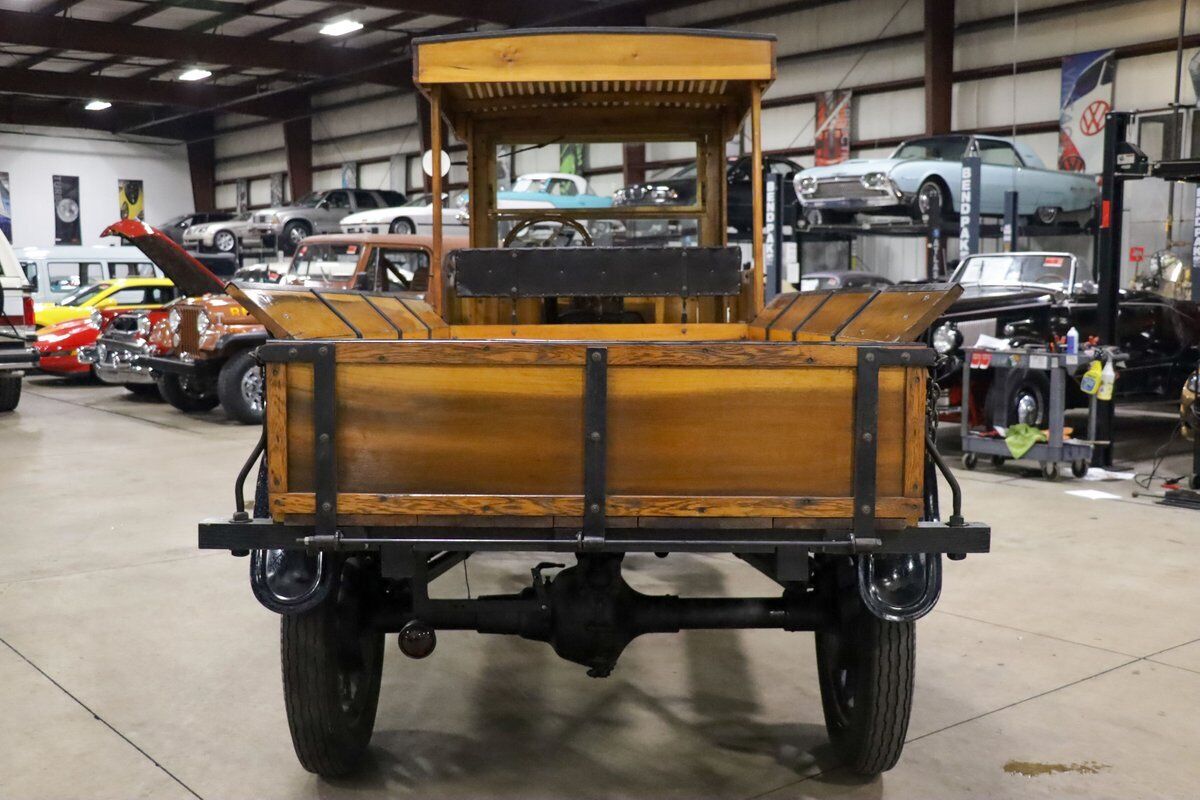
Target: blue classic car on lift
(923, 178)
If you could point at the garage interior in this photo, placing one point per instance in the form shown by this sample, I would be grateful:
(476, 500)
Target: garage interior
(1063, 662)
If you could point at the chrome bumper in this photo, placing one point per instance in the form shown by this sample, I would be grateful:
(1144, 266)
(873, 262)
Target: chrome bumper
(884, 200)
(114, 363)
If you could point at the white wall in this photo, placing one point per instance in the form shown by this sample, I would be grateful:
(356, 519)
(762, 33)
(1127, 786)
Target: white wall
(99, 161)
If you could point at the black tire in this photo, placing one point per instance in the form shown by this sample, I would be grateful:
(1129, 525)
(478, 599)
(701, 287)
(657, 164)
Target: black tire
(866, 668)
(970, 461)
(10, 392)
(186, 396)
(1047, 215)
(402, 225)
(1025, 397)
(148, 390)
(240, 388)
(224, 241)
(1050, 470)
(293, 232)
(1079, 467)
(933, 201)
(998, 461)
(332, 664)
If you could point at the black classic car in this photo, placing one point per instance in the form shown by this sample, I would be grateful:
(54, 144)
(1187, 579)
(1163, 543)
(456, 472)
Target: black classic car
(841, 279)
(1035, 298)
(679, 188)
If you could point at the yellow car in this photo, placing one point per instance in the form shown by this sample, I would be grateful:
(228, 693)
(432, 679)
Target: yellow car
(119, 293)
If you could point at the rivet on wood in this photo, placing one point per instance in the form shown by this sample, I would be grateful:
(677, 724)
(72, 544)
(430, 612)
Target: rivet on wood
(866, 509)
(595, 436)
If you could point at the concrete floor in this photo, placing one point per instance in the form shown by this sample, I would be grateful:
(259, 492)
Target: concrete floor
(133, 665)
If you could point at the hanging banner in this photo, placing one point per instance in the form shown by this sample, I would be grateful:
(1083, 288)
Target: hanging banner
(276, 189)
(131, 200)
(571, 159)
(350, 175)
(66, 210)
(5, 207)
(243, 195)
(1086, 99)
(832, 139)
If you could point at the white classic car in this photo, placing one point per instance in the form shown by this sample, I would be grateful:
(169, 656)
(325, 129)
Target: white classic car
(223, 236)
(923, 179)
(549, 190)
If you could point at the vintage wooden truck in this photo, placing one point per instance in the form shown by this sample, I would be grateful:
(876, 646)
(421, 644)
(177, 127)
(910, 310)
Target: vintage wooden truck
(594, 402)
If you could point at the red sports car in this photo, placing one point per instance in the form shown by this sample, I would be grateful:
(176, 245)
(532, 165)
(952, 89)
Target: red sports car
(58, 345)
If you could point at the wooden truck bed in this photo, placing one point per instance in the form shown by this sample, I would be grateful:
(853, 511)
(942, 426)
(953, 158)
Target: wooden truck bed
(726, 422)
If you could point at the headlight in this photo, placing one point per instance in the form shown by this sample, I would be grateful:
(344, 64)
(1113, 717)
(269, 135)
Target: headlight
(173, 319)
(875, 180)
(1191, 384)
(663, 194)
(202, 322)
(946, 338)
(143, 326)
(97, 318)
(806, 185)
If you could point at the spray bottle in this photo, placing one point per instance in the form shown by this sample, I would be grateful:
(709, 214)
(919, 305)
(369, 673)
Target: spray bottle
(1108, 377)
(1090, 382)
(1072, 341)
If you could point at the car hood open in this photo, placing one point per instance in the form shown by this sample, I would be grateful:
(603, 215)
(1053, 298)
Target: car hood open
(192, 277)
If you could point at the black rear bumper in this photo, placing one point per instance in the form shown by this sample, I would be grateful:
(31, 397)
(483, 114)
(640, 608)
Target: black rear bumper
(263, 534)
(18, 358)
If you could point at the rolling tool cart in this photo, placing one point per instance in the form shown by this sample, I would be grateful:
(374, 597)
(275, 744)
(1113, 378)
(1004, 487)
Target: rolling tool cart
(1056, 449)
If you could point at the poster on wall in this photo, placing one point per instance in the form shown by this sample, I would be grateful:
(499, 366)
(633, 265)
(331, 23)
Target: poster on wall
(66, 210)
(277, 189)
(5, 207)
(131, 200)
(1086, 99)
(350, 175)
(832, 142)
(243, 195)
(571, 158)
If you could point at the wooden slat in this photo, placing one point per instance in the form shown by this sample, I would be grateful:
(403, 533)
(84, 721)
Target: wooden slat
(409, 325)
(586, 56)
(756, 197)
(834, 312)
(650, 332)
(900, 315)
(677, 354)
(290, 314)
(277, 427)
(368, 505)
(359, 312)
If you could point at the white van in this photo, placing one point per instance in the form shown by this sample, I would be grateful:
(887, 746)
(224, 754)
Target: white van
(17, 335)
(55, 272)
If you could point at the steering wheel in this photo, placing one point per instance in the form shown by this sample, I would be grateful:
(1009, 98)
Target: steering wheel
(563, 221)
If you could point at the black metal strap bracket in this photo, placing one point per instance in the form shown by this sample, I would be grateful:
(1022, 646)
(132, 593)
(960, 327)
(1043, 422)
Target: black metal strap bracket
(595, 447)
(323, 358)
(866, 433)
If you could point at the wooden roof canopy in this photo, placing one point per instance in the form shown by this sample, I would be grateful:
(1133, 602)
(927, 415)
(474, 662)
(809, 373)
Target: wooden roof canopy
(661, 83)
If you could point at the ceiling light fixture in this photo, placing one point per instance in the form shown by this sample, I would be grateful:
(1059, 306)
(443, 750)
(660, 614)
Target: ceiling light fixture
(195, 74)
(341, 27)
(98, 105)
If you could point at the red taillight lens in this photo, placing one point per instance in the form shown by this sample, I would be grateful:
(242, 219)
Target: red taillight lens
(28, 309)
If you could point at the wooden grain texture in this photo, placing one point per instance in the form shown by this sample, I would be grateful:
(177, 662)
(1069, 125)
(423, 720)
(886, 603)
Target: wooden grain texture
(650, 332)
(291, 314)
(900, 315)
(785, 326)
(462, 509)
(834, 312)
(277, 427)
(359, 312)
(409, 325)
(684, 419)
(915, 401)
(593, 56)
(665, 354)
